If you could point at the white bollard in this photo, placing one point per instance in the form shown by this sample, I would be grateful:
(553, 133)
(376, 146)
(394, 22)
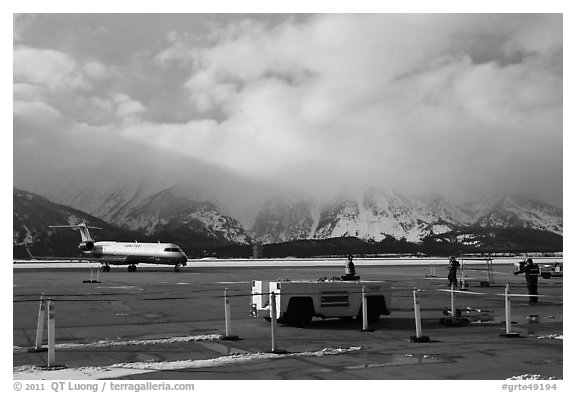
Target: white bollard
(417, 315)
(51, 333)
(365, 311)
(273, 320)
(227, 313)
(454, 319)
(507, 308)
(453, 306)
(508, 312)
(40, 325)
(432, 270)
(419, 338)
(92, 281)
(489, 271)
(227, 319)
(462, 277)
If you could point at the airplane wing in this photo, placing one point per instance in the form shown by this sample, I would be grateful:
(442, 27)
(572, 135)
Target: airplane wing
(106, 260)
(121, 260)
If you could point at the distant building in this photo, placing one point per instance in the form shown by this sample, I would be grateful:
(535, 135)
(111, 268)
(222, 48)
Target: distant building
(257, 249)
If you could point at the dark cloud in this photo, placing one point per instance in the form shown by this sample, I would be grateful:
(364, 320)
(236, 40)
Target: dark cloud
(311, 103)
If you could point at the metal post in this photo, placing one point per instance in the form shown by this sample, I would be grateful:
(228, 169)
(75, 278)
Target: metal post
(452, 301)
(227, 319)
(51, 333)
(462, 276)
(432, 271)
(91, 274)
(508, 310)
(273, 319)
(454, 319)
(365, 311)
(417, 315)
(40, 325)
(418, 338)
(227, 312)
(97, 274)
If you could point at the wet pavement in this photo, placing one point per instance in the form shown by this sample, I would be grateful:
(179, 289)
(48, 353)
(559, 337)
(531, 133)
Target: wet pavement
(156, 304)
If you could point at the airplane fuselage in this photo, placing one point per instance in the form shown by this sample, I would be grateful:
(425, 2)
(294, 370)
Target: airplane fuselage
(123, 253)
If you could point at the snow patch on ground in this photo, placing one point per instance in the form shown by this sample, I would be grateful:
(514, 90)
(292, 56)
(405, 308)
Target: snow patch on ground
(555, 336)
(112, 343)
(123, 369)
(531, 377)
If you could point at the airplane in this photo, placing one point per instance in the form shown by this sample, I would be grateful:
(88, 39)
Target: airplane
(125, 253)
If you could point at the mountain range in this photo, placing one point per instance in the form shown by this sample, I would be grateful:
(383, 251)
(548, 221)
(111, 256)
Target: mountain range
(374, 216)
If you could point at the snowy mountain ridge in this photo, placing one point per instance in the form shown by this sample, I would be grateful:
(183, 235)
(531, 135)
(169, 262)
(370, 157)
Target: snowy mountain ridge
(375, 214)
(378, 214)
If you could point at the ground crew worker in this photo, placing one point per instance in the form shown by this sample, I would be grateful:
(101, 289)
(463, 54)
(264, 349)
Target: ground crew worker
(531, 272)
(349, 270)
(453, 266)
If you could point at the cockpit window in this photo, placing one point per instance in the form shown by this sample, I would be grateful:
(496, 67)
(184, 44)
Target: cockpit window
(172, 249)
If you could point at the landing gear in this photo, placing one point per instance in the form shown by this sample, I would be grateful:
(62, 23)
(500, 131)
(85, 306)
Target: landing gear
(105, 268)
(132, 268)
(177, 268)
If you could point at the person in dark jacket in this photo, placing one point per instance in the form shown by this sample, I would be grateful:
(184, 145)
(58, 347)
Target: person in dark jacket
(531, 272)
(349, 270)
(453, 266)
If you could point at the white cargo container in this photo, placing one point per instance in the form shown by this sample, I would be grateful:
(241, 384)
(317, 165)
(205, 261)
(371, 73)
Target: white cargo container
(298, 301)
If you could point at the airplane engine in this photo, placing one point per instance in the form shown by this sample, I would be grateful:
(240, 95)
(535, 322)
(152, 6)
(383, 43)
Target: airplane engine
(86, 246)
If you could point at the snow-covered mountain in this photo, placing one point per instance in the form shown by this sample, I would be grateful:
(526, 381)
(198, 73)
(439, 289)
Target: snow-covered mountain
(181, 211)
(514, 211)
(373, 215)
(377, 214)
(184, 214)
(150, 205)
(33, 214)
(285, 219)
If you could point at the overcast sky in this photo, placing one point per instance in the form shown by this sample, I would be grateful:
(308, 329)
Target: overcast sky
(419, 102)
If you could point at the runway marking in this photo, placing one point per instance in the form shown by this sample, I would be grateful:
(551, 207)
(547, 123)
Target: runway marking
(122, 287)
(400, 360)
(124, 369)
(233, 282)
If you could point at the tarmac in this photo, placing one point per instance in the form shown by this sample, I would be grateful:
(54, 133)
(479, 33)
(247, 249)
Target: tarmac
(157, 324)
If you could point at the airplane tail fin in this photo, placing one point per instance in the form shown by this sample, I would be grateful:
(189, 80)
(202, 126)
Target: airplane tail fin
(84, 232)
